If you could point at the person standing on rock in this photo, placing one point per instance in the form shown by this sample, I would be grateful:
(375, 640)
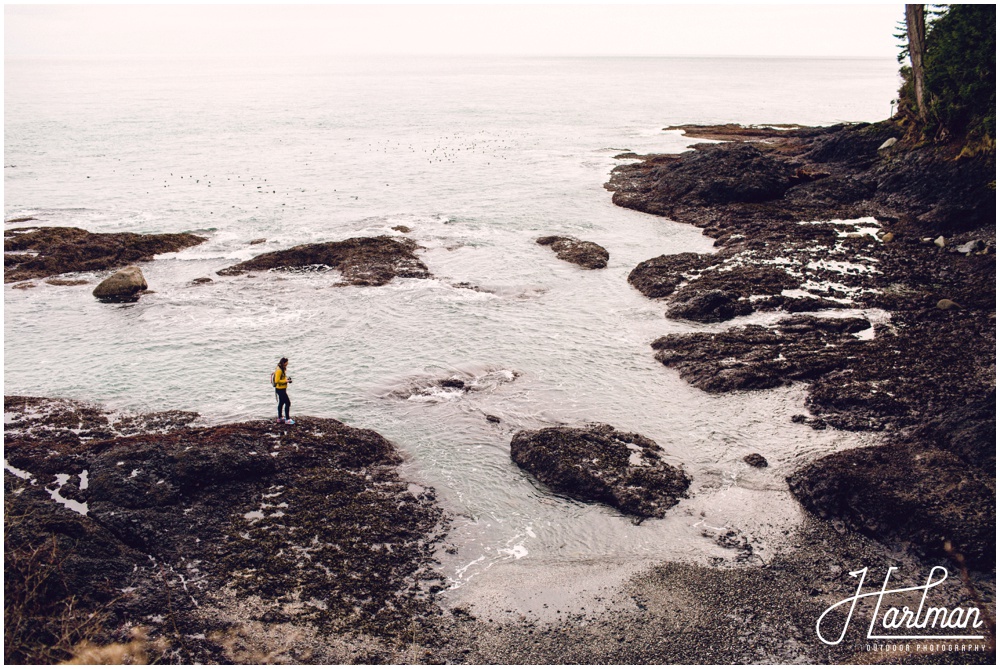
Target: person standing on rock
(280, 381)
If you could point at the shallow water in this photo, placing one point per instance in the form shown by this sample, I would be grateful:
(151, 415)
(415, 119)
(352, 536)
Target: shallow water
(478, 158)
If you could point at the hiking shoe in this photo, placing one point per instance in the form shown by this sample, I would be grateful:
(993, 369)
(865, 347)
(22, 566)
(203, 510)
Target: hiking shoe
(289, 421)
(281, 420)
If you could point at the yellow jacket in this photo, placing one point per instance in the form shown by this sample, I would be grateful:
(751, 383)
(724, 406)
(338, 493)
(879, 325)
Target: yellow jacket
(280, 379)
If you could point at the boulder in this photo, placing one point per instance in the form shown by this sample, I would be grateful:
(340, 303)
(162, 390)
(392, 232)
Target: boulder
(597, 463)
(122, 286)
(755, 460)
(587, 255)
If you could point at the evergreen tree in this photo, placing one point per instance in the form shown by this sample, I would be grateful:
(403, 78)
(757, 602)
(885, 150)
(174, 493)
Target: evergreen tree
(960, 76)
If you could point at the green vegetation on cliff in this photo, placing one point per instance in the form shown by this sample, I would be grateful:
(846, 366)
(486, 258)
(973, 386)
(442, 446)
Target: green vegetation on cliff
(960, 78)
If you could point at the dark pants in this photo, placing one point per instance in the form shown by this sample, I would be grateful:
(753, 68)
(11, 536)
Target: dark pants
(283, 401)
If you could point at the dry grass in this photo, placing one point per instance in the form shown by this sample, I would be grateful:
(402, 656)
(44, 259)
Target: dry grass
(43, 621)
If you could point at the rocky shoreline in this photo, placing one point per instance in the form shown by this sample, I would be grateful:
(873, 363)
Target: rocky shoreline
(203, 537)
(256, 543)
(813, 219)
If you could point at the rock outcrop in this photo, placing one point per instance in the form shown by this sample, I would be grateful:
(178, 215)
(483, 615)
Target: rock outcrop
(708, 306)
(158, 523)
(32, 253)
(587, 255)
(821, 218)
(122, 286)
(600, 464)
(934, 489)
(362, 261)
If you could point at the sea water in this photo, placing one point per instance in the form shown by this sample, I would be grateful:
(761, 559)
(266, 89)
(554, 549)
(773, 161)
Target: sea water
(478, 157)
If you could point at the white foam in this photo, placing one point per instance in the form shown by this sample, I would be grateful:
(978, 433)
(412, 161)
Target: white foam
(517, 552)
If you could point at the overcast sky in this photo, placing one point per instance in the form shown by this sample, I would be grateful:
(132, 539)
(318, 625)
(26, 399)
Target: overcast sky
(454, 29)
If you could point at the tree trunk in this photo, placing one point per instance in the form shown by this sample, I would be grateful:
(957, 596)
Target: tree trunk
(915, 36)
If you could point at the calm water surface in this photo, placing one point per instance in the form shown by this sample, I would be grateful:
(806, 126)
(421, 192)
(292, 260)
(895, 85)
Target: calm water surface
(478, 157)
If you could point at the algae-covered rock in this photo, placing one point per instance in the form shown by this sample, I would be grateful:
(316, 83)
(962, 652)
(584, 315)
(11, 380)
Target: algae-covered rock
(600, 464)
(32, 253)
(362, 261)
(192, 521)
(587, 255)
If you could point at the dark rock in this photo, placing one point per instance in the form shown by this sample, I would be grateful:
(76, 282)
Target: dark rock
(452, 383)
(259, 240)
(178, 515)
(660, 276)
(709, 306)
(598, 463)
(743, 280)
(122, 286)
(40, 252)
(796, 305)
(754, 357)
(200, 280)
(363, 261)
(585, 254)
(402, 228)
(935, 486)
(493, 419)
(755, 460)
(67, 282)
(742, 173)
(22, 219)
(24, 286)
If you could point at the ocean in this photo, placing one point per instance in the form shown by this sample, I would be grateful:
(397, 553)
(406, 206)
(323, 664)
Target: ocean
(477, 157)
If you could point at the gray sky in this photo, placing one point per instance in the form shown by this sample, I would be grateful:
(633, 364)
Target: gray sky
(454, 29)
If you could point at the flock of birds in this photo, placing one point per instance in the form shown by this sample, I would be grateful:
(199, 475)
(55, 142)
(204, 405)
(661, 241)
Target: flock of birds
(451, 149)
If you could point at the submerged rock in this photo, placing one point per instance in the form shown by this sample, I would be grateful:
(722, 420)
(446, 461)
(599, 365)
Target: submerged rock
(599, 464)
(122, 286)
(587, 255)
(755, 460)
(363, 261)
(67, 282)
(32, 253)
